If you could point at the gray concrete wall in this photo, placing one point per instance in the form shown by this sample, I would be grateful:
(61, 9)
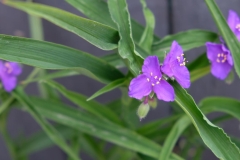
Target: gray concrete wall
(186, 14)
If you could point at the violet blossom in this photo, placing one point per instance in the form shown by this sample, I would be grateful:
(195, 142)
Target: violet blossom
(8, 74)
(220, 58)
(149, 81)
(234, 23)
(174, 65)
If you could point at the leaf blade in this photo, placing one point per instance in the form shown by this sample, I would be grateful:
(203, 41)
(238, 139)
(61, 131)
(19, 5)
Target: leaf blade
(126, 47)
(208, 132)
(147, 36)
(98, 34)
(97, 127)
(186, 39)
(53, 56)
(111, 86)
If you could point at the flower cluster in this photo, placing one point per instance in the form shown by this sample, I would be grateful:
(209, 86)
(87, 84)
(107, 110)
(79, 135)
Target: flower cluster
(219, 54)
(154, 76)
(8, 74)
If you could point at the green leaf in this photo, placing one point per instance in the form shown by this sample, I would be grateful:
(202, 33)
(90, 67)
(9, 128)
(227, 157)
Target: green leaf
(188, 40)
(92, 8)
(50, 130)
(109, 87)
(92, 107)
(229, 37)
(126, 48)
(207, 105)
(214, 137)
(173, 136)
(41, 140)
(97, 127)
(58, 74)
(53, 56)
(98, 34)
(221, 104)
(147, 36)
(114, 59)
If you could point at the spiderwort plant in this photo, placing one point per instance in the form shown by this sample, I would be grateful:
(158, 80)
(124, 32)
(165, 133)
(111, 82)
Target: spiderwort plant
(8, 74)
(112, 29)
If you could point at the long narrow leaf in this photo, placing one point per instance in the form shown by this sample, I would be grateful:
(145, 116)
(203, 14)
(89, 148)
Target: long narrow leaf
(92, 8)
(188, 40)
(147, 36)
(126, 48)
(209, 133)
(53, 56)
(50, 130)
(111, 86)
(92, 107)
(98, 34)
(97, 127)
(207, 105)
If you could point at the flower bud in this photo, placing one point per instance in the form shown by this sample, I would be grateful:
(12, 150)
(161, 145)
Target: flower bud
(152, 102)
(143, 110)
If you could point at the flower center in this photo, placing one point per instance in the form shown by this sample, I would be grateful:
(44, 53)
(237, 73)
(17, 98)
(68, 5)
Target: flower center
(8, 68)
(182, 61)
(238, 27)
(221, 58)
(153, 79)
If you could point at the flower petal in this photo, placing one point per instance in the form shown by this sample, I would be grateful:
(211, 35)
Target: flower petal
(175, 51)
(9, 82)
(220, 70)
(213, 49)
(182, 75)
(164, 91)
(233, 21)
(139, 87)
(230, 59)
(167, 69)
(151, 66)
(16, 68)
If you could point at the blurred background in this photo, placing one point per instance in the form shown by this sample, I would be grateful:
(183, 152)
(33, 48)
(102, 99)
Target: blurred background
(172, 16)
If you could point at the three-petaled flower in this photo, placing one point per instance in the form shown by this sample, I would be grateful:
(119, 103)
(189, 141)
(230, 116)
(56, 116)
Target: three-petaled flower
(8, 74)
(151, 80)
(174, 66)
(221, 59)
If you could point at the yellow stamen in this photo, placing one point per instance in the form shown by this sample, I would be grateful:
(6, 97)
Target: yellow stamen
(148, 79)
(155, 77)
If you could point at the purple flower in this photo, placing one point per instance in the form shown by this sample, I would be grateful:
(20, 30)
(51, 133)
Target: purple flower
(221, 59)
(8, 74)
(151, 80)
(234, 23)
(174, 66)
